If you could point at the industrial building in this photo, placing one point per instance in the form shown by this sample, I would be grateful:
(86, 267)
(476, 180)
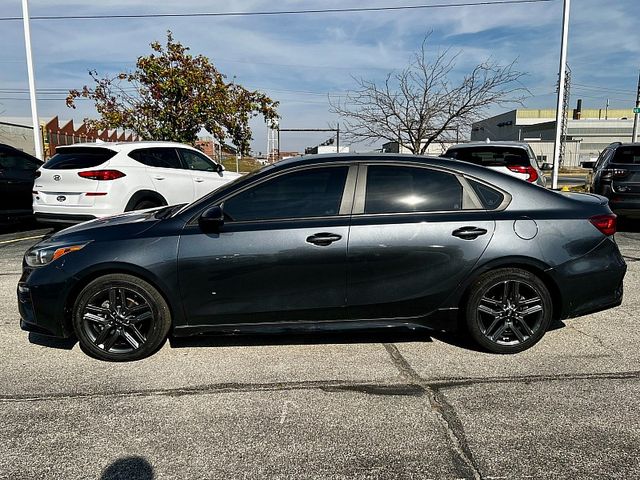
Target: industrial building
(589, 131)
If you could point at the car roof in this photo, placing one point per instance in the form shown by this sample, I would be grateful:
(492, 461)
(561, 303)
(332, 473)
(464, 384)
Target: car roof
(501, 143)
(128, 146)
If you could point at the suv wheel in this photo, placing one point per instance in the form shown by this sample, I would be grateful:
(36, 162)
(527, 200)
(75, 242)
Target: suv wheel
(509, 310)
(120, 318)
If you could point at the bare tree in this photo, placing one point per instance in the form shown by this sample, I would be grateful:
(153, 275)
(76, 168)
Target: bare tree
(422, 104)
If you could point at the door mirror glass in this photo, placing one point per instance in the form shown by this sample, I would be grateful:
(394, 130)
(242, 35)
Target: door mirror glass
(212, 218)
(219, 168)
(546, 167)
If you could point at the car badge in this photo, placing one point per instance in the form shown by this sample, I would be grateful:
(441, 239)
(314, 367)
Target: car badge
(61, 198)
(56, 178)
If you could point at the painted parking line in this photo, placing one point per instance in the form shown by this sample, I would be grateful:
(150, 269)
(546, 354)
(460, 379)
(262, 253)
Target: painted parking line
(20, 239)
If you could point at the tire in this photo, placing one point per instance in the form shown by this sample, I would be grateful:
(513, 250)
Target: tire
(508, 310)
(144, 204)
(107, 331)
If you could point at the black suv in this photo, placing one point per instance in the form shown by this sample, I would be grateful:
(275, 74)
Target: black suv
(17, 173)
(616, 175)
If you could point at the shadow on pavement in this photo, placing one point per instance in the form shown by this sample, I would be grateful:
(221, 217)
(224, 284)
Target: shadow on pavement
(129, 468)
(630, 225)
(52, 342)
(390, 335)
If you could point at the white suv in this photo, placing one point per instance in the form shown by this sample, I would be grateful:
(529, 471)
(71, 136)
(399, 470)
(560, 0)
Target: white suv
(92, 180)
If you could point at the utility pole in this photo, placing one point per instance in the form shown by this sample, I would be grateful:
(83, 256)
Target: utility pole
(636, 111)
(606, 110)
(37, 138)
(561, 86)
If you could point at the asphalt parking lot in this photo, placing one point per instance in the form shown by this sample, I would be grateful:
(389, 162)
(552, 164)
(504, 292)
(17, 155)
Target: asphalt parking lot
(395, 404)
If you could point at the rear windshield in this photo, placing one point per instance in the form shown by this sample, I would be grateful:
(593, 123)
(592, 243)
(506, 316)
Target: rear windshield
(490, 156)
(78, 157)
(629, 154)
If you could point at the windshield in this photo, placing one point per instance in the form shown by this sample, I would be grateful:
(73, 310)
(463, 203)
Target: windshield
(629, 155)
(491, 156)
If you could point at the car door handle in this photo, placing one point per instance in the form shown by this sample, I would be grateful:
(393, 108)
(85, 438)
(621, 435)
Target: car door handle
(323, 239)
(468, 233)
(198, 179)
(158, 177)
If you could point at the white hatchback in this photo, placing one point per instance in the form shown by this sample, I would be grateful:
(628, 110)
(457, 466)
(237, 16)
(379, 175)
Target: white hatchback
(93, 180)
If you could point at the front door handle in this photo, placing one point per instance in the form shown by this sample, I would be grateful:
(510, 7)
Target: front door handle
(468, 233)
(199, 180)
(158, 177)
(323, 239)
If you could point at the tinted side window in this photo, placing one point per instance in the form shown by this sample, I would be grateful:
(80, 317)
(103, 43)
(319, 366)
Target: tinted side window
(16, 161)
(157, 157)
(491, 156)
(196, 161)
(490, 198)
(309, 193)
(392, 189)
(629, 154)
(71, 158)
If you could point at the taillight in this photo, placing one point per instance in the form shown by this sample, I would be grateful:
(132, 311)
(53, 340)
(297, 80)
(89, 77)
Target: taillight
(532, 172)
(605, 223)
(102, 174)
(609, 173)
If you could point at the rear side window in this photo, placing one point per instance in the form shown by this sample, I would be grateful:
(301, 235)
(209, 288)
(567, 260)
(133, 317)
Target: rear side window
(395, 189)
(490, 156)
(15, 161)
(157, 157)
(630, 155)
(71, 158)
(490, 198)
(309, 193)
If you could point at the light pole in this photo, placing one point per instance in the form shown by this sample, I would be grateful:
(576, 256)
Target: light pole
(559, 104)
(37, 138)
(636, 113)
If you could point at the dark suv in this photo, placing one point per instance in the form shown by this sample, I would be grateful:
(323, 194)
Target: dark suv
(17, 172)
(616, 175)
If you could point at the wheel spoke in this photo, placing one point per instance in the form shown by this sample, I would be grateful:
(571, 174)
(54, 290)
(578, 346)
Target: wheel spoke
(138, 309)
(130, 340)
(102, 336)
(525, 326)
(142, 317)
(492, 326)
(123, 300)
(491, 301)
(529, 301)
(97, 309)
(505, 292)
(515, 293)
(112, 299)
(111, 340)
(516, 331)
(92, 317)
(531, 310)
(498, 332)
(141, 338)
(490, 311)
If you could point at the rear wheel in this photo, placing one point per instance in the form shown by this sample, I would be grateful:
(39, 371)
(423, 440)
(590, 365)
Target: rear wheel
(120, 318)
(508, 311)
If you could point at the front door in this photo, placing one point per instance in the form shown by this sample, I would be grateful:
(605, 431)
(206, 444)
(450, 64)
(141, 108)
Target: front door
(415, 235)
(280, 255)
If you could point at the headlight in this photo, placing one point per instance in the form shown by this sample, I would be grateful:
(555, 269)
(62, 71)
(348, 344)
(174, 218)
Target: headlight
(45, 255)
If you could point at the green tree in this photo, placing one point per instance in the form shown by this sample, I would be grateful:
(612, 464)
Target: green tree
(172, 95)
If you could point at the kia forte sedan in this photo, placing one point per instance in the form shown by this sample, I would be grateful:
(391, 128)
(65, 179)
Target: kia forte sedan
(327, 242)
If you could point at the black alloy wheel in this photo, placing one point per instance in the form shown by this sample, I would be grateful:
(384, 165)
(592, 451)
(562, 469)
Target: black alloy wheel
(120, 317)
(508, 311)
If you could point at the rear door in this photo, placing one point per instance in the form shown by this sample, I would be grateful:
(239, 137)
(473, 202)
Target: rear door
(204, 172)
(416, 232)
(59, 183)
(169, 175)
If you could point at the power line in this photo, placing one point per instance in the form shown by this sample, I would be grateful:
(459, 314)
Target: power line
(278, 12)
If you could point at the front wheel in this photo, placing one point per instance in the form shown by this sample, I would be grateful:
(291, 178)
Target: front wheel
(509, 310)
(120, 317)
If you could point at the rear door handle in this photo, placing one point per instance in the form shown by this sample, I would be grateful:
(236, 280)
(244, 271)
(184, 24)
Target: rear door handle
(158, 177)
(198, 179)
(468, 233)
(323, 239)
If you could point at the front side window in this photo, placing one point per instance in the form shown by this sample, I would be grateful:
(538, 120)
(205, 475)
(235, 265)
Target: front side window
(197, 161)
(157, 157)
(314, 192)
(395, 189)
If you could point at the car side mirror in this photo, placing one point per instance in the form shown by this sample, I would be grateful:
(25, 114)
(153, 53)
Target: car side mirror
(219, 168)
(590, 165)
(212, 219)
(546, 167)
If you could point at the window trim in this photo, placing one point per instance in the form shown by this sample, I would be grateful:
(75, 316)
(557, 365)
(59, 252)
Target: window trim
(467, 190)
(346, 204)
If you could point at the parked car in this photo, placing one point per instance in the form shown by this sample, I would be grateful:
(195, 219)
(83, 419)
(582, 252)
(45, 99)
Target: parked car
(93, 180)
(616, 175)
(513, 158)
(326, 242)
(17, 172)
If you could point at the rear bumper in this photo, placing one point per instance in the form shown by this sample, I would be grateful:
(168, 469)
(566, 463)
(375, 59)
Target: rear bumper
(592, 282)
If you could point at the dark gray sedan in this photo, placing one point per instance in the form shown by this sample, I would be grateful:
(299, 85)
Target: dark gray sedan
(331, 242)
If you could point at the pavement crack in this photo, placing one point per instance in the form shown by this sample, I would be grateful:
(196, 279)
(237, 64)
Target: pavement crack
(446, 413)
(597, 339)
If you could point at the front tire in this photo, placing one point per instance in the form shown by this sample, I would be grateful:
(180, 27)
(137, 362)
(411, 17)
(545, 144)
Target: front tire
(120, 317)
(508, 311)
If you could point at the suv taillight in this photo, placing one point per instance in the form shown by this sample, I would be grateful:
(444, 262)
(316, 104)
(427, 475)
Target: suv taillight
(533, 174)
(102, 174)
(609, 173)
(605, 223)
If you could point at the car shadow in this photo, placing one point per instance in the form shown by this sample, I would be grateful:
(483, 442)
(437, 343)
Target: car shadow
(129, 468)
(52, 342)
(629, 225)
(387, 335)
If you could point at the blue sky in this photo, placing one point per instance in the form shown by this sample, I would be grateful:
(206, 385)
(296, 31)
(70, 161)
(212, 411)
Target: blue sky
(299, 59)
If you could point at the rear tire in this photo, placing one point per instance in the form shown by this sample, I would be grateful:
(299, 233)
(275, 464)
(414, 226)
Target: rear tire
(120, 318)
(508, 311)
